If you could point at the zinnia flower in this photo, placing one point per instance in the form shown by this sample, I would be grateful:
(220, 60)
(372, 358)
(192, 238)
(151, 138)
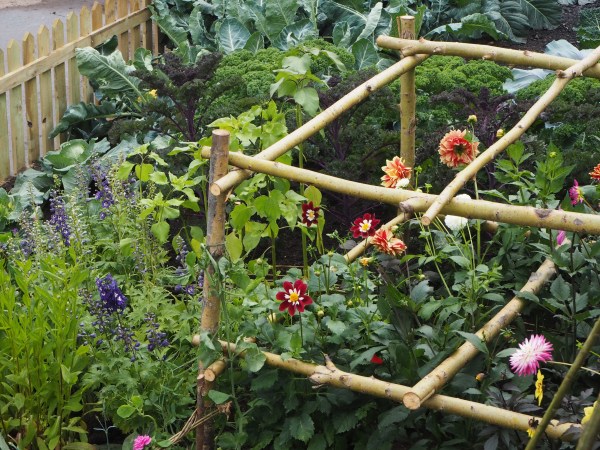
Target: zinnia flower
(310, 214)
(526, 360)
(364, 226)
(293, 297)
(595, 174)
(385, 241)
(397, 175)
(587, 412)
(141, 441)
(576, 193)
(456, 150)
(539, 387)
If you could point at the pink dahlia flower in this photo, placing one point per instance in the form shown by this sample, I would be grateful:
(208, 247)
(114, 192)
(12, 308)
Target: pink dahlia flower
(141, 441)
(526, 360)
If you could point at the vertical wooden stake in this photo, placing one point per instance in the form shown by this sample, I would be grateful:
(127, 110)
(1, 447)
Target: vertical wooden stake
(215, 243)
(31, 103)
(408, 123)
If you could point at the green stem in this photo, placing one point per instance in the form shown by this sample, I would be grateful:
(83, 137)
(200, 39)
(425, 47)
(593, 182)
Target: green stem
(301, 166)
(565, 386)
(477, 222)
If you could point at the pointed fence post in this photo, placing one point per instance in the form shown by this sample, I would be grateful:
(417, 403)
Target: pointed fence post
(215, 243)
(406, 30)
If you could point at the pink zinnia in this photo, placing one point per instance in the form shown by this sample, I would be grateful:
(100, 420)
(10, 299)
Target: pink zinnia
(576, 193)
(526, 360)
(141, 441)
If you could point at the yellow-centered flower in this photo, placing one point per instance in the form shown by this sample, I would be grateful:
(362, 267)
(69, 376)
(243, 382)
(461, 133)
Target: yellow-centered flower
(539, 387)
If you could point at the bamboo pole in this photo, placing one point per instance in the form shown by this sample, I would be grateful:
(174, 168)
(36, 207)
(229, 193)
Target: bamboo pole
(215, 242)
(331, 376)
(565, 386)
(444, 372)
(523, 58)
(31, 103)
(471, 209)
(47, 123)
(562, 78)
(320, 121)
(13, 54)
(408, 100)
(60, 87)
(4, 139)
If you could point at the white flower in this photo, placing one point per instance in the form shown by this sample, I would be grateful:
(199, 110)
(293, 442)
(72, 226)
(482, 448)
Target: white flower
(456, 223)
(402, 183)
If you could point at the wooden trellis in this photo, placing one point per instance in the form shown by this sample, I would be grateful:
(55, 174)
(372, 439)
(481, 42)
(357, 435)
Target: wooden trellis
(41, 76)
(425, 392)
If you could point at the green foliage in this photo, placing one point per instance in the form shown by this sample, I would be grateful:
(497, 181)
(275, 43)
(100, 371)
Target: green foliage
(588, 31)
(442, 73)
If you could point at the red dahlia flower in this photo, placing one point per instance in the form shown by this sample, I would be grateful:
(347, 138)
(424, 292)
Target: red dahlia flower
(293, 297)
(376, 359)
(456, 150)
(364, 226)
(397, 175)
(385, 241)
(310, 214)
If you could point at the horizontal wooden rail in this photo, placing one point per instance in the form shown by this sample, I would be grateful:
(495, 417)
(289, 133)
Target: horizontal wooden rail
(523, 58)
(62, 54)
(472, 209)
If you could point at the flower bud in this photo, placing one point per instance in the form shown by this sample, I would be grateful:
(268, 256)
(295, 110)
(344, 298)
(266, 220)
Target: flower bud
(472, 118)
(499, 133)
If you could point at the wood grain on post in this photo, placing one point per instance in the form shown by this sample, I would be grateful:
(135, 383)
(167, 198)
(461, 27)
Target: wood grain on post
(46, 95)
(4, 141)
(215, 243)
(74, 82)
(60, 86)
(124, 37)
(147, 40)
(135, 33)
(31, 103)
(408, 100)
(85, 28)
(13, 53)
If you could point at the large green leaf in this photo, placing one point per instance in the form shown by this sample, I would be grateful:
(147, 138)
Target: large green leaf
(294, 34)
(365, 54)
(232, 35)
(70, 153)
(542, 14)
(508, 18)
(200, 36)
(83, 112)
(110, 72)
(372, 22)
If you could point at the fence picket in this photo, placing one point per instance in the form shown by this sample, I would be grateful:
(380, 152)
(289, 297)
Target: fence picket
(47, 117)
(124, 37)
(31, 102)
(4, 144)
(135, 33)
(74, 79)
(97, 23)
(109, 11)
(85, 24)
(60, 86)
(13, 52)
(148, 31)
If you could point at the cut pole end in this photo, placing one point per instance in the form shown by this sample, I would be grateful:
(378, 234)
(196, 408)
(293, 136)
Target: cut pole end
(425, 220)
(411, 401)
(215, 189)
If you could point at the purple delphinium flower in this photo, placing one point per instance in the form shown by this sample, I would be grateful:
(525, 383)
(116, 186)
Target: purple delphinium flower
(110, 294)
(59, 218)
(104, 193)
(155, 338)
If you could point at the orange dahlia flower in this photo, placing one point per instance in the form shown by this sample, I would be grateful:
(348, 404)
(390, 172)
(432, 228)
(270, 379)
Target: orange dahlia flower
(456, 150)
(595, 174)
(385, 241)
(397, 175)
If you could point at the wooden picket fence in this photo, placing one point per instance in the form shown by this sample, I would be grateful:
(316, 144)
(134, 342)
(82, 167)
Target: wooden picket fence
(40, 77)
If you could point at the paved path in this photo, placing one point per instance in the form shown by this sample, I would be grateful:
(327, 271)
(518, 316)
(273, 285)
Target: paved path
(18, 17)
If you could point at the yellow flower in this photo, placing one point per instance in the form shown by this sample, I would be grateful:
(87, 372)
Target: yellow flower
(480, 377)
(472, 118)
(500, 133)
(152, 93)
(530, 432)
(364, 261)
(539, 387)
(587, 412)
